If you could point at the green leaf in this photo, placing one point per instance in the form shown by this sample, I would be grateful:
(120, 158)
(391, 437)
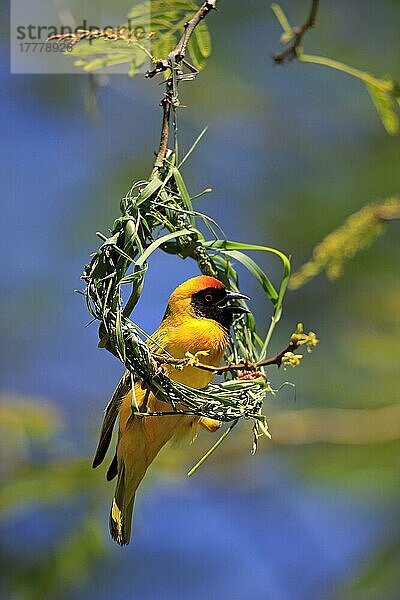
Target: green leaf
(131, 233)
(283, 22)
(226, 245)
(149, 190)
(180, 184)
(132, 70)
(196, 57)
(229, 245)
(257, 272)
(199, 46)
(137, 13)
(133, 276)
(385, 106)
(165, 21)
(119, 335)
(203, 39)
(137, 278)
(157, 243)
(104, 47)
(162, 45)
(107, 53)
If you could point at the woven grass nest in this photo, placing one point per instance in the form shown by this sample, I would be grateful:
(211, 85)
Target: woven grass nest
(158, 215)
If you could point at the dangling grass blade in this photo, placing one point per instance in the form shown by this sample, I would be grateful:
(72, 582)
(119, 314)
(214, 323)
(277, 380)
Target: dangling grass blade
(209, 222)
(257, 272)
(212, 449)
(227, 245)
(189, 152)
(183, 193)
(157, 243)
(276, 316)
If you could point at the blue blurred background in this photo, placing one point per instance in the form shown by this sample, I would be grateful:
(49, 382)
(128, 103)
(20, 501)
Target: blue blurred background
(290, 152)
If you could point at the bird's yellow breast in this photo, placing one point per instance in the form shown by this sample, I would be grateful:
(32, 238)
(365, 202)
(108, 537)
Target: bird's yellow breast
(193, 335)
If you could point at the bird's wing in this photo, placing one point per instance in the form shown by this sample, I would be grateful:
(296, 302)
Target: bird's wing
(121, 512)
(112, 409)
(110, 416)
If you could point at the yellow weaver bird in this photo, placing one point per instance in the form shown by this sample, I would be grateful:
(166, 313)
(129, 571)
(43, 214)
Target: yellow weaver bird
(197, 319)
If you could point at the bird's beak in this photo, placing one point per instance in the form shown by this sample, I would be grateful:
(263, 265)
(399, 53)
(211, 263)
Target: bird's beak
(234, 308)
(235, 296)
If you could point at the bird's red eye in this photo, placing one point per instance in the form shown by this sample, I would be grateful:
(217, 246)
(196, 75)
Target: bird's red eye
(208, 297)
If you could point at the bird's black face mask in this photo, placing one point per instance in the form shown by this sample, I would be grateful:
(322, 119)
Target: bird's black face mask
(215, 303)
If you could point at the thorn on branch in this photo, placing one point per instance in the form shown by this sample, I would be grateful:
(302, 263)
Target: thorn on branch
(160, 66)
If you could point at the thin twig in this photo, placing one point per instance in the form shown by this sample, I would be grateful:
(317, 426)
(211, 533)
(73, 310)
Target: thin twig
(241, 366)
(293, 50)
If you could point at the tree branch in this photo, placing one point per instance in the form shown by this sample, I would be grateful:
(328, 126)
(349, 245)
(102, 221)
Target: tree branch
(174, 58)
(293, 50)
(162, 150)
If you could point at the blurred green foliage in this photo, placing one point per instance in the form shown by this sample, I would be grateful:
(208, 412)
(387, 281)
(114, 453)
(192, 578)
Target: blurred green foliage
(384, 92)
(33, 477)
(357, 233)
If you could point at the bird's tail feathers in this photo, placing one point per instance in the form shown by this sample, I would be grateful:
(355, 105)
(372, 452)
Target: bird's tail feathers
(121, 511)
